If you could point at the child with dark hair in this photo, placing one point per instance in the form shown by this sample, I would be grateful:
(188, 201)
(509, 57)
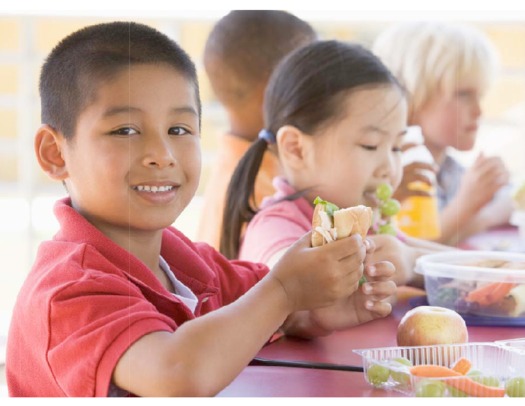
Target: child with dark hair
(119, 302)
(336, 117)
(241, 52)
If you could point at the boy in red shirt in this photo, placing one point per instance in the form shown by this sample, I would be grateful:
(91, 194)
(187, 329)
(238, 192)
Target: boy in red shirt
(121, 303)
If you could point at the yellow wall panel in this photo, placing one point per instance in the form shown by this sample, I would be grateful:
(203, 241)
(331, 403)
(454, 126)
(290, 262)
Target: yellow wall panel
(509, 41)
(8, 128)
(9, 34)
(49, 31)
(9, 79)
(193, 37)
(505, 94)
(8, 168)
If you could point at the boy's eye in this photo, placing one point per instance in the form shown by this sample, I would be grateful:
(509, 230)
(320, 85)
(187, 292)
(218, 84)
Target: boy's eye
(397, 149)
(178, 131)
(369, 147)
(124, 131)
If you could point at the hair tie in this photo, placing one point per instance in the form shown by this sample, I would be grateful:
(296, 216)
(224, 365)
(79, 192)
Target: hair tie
(267, 136)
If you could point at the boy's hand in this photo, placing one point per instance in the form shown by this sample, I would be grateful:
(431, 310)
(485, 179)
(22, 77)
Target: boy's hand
(481, 182)
(318, 277)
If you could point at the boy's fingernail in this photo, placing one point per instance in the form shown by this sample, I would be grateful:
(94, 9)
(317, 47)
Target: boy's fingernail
(371, 270)
(369, 304)
(367, 288)
(367, 244)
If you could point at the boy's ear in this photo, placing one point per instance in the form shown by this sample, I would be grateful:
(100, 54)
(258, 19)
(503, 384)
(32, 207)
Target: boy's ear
(291, 145)
(48, 149)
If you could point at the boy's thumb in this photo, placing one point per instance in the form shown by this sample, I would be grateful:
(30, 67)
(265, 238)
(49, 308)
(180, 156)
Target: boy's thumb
(305, 241)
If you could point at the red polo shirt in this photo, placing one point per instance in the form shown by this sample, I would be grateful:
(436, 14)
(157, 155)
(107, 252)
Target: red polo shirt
(86, 300)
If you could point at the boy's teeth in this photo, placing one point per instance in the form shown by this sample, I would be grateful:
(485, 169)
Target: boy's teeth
(153, 189)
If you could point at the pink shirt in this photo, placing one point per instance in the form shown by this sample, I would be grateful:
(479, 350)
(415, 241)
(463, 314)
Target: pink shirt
(277, 225)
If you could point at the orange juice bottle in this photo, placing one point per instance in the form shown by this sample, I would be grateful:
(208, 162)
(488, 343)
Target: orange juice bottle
(419, 215)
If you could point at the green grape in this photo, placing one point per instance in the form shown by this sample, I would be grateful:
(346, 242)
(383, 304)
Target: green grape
(387, 229)
(401, 377)
(515, 387)
(384, 191)
(430, 389)
(456, 393)
(403, 361)
(401, 373)
(390, 208)
(362, 280)
(378, 374)
(486, 380)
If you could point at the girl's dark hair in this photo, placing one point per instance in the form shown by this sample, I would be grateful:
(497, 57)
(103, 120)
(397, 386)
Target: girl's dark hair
(77, 66)
(306, 90)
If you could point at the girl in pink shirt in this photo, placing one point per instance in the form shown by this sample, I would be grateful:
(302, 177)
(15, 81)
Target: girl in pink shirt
(336, 117)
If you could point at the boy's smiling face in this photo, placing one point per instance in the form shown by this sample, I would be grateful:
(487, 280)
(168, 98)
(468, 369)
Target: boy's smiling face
(134, 161)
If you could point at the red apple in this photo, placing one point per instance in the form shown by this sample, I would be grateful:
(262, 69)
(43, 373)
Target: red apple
(429, 325)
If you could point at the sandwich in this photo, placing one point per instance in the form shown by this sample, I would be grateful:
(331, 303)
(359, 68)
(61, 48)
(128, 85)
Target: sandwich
(330, 223)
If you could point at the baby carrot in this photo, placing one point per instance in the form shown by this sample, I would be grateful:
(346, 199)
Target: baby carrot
(462, 366)
(491, 293)
(464, 384)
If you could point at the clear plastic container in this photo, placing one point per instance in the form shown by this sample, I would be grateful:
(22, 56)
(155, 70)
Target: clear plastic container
(419, 215)
(493, 364)
(476, 283)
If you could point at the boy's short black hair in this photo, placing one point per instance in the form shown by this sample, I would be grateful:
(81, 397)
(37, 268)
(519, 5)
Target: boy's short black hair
(83, 60)
(245, 46)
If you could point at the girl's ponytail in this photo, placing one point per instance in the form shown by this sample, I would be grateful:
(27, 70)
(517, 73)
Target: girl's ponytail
(240, 206)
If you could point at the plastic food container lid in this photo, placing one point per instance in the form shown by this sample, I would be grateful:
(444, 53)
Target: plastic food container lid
(455, 264)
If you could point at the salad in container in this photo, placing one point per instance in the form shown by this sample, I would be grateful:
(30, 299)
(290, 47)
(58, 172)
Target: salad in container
(476, 283)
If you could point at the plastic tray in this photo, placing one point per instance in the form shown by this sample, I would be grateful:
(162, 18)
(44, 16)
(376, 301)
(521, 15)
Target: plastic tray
(499, 361)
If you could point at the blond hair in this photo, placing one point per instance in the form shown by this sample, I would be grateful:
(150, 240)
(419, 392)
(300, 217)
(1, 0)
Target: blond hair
(430, 57)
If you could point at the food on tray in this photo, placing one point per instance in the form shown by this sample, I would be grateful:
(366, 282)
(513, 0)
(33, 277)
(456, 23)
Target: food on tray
(515, 387)
(459, 379)
(465, 384)
(476, 291)
(430, 325)
(397, 369)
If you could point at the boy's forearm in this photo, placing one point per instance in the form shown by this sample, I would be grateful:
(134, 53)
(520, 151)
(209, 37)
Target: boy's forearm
(204, 355)
(300, 324)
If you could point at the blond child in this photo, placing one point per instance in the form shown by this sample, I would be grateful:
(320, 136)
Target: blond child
(336, 117)
(119, 302)
(446, 69)
(241, 52)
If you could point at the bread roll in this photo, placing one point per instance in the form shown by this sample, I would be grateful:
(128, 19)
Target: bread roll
(344, 223)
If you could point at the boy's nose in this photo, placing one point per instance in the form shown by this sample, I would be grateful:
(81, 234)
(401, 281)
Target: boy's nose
(158, 152)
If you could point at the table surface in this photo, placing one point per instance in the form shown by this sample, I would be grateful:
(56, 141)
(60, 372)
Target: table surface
(337, 348)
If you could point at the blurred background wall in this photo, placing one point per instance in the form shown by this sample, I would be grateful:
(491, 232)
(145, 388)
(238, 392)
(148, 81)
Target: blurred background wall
(27, 196)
